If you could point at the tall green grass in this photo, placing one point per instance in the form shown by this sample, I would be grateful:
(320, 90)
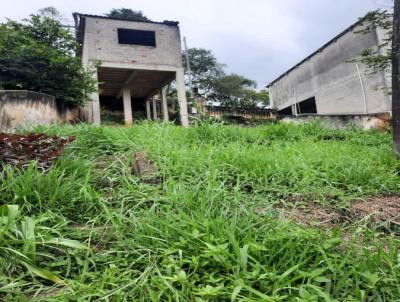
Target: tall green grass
(197, 236)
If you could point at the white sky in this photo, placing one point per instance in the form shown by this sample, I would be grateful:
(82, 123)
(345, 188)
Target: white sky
(259, 39)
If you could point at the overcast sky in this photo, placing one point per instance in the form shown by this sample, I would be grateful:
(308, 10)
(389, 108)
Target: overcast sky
(259, 39)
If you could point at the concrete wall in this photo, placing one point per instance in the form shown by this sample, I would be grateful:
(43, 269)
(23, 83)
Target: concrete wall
(334, 81)
(101, 43)
(27, 108)
(380, 121)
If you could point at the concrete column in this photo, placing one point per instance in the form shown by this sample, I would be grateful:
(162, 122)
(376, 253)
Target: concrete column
(93, 106)
(154, 109)
(126, 96)
(164, 105)
(180, 83)
(96, 111)
(88, 112)
(148, 110)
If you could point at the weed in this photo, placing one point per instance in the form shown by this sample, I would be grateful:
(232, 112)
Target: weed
(198, 235)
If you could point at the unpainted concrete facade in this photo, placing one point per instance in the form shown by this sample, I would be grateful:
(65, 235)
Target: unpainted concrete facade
(23, 108)
(334, 79)
(379, 121)
(131, 71)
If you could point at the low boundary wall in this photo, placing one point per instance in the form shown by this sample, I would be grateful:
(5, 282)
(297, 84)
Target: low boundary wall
(20, 108)
(254, 113)
(379, 121)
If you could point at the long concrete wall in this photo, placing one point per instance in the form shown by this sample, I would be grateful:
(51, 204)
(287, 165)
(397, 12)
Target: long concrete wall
(339, 85)
(19, 108)
(380, 121)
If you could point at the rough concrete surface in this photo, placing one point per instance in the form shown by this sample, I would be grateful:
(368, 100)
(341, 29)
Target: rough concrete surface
(339, 84)
(365, 122)
(20, 108)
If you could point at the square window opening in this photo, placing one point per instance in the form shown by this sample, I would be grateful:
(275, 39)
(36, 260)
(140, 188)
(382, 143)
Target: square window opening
(136, 37)
(308, 106)
(286, 111)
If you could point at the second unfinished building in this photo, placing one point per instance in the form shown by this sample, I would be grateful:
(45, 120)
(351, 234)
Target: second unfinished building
(331, 81)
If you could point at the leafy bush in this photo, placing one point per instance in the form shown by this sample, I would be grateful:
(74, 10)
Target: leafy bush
(39, 55)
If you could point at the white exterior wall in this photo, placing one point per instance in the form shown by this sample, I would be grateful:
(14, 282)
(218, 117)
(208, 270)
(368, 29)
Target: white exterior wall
(333, 79)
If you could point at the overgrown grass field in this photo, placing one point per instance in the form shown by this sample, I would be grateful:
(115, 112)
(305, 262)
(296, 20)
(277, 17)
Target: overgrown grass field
(90, 230)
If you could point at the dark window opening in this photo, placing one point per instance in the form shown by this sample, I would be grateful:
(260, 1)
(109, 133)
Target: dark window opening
(136, 37)
(286, 111)
(307, 106)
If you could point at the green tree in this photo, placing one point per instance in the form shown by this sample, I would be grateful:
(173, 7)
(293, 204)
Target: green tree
(238, 91)
(205, 68)
(229, 90)
(374, 58)
(255, 98)
(388, 61)
(127, 14)
(39, 54)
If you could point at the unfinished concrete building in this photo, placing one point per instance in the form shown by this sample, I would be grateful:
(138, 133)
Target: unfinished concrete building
(134, 61)
(331, 81)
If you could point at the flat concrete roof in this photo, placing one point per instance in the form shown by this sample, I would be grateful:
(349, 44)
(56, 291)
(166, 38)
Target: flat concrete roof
(165, 22)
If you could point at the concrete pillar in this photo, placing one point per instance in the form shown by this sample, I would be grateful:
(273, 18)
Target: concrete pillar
(164, 105)
(96, 111)
(148, 110)
(126, 96)
(88, 111)
(154, 108)
(180, 83)
(93, 106)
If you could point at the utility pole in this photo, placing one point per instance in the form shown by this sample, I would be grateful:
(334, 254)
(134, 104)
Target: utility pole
(189, 70)
(396, 77)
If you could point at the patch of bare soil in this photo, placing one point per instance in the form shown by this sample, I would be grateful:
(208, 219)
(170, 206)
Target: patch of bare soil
(377, 210)
(313, 216)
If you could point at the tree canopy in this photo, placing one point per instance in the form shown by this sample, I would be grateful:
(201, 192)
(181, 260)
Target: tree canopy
(237, 91)
(39, 54)
(204, 66)
(127, 14)
(227, 89)
(375, 59)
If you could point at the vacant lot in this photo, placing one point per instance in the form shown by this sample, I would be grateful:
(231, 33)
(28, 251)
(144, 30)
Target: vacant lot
(270, 213)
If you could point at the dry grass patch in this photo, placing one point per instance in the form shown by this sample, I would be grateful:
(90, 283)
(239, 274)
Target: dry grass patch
(313, 216)
(377, 210)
